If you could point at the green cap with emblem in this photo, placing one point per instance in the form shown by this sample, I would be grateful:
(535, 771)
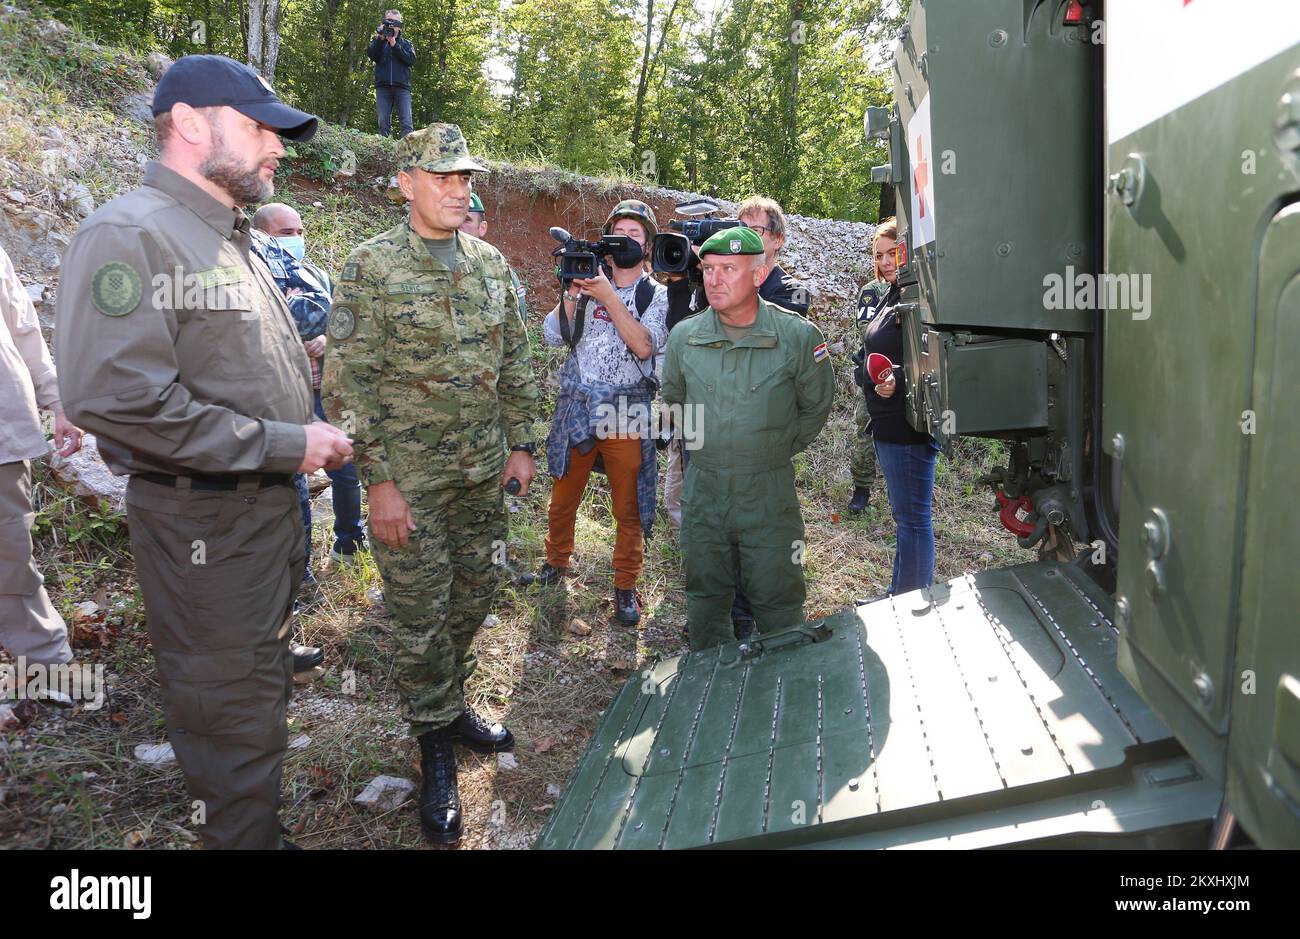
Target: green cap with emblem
(635, 209)
(438, 148)
(476, 204)
(733, 241)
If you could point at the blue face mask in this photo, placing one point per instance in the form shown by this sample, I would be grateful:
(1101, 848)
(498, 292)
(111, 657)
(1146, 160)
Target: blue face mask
(294, 244)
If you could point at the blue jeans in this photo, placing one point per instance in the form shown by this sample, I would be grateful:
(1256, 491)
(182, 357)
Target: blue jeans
(345, 491)
(909, 476)
(388, 96)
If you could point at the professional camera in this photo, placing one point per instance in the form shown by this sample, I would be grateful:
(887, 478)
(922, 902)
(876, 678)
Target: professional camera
(672, 252)
(388, 28)
(580, 260)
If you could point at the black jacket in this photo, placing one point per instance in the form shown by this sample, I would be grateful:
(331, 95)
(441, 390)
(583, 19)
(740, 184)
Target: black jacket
(783, 290)
(882, 333)
(392, 63)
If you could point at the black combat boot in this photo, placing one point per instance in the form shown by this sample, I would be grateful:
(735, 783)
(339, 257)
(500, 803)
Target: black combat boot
(742, 626)
(628, 611)
(861, 499)
(544, 578)
(305, 658)
(440, 818)
(475, 732)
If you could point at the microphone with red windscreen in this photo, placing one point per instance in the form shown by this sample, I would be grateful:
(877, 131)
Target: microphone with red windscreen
(879, 367)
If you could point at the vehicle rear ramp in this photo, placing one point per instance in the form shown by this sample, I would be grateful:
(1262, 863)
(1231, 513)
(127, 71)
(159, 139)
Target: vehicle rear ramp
(984, 712)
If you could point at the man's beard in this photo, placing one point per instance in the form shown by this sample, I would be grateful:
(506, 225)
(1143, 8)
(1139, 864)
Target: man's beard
(221, 167)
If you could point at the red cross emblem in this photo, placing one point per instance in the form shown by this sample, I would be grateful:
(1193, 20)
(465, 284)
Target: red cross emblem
(921, 175)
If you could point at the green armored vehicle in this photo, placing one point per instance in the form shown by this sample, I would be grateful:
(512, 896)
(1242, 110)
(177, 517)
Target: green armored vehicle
(1099, 210)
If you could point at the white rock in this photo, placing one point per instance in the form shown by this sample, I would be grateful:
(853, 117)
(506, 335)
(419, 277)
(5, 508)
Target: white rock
(507, 761)
(86, 475)
(8, 719)
(37, 293)
(15, 196)
(85, 609)
(299, 742)
(553, 790)
(491, 620)
(155, 754)
(385, 793)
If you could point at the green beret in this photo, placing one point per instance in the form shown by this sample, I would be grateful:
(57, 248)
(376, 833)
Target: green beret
(733, 241)
(476, 204)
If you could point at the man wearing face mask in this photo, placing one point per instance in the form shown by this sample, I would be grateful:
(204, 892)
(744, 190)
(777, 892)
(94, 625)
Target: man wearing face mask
(602, 413)
(307, 289)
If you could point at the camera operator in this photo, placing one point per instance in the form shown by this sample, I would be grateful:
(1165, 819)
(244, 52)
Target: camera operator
(393, 57)
(765, 217)
(610, 372)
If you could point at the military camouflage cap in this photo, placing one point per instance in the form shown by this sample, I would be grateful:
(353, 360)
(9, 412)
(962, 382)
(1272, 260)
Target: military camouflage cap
(634, 209)
(438, 148)
(733, 241)
(476, 204)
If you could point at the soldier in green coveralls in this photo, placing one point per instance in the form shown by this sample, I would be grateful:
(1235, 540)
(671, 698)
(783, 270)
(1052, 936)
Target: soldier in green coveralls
(428, 367)
(760, 381)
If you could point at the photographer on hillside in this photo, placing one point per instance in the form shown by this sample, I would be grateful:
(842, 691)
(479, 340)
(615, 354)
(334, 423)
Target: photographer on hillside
(393, 57)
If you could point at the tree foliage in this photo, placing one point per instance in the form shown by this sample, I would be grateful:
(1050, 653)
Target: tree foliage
(723, 96)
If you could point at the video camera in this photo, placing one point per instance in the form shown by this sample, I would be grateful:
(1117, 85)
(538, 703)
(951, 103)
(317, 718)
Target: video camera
(389, 28)
(672, 252)
(580, 260)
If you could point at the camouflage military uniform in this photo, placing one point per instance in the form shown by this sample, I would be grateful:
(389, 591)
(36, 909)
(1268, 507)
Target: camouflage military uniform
(428, 370)
(862, 458)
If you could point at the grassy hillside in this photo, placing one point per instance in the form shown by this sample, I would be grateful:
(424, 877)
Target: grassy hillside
(70, 780)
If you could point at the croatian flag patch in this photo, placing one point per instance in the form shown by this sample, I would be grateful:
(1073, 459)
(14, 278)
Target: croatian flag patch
(819, 352)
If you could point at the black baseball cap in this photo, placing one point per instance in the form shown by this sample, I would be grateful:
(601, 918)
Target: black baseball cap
(205, 81)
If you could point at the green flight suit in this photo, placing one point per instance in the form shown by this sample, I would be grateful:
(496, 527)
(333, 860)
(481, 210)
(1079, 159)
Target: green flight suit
(753, 405)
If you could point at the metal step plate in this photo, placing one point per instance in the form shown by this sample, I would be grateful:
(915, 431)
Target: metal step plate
(992, 690)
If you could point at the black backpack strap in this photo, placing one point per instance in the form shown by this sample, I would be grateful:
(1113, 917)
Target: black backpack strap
(645, 294)
(642, 298)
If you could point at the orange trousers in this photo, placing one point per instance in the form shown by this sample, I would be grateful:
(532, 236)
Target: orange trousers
(622, 464)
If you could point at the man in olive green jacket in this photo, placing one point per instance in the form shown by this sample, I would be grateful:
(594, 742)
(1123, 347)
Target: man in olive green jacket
(758, 383)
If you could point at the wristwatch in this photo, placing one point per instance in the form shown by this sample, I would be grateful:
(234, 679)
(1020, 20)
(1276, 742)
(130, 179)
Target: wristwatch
(530, 449)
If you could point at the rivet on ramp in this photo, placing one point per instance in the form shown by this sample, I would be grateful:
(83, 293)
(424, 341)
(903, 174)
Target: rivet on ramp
(1027, 750)
(853, 785)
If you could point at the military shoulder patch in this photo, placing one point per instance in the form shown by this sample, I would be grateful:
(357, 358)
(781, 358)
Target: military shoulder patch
(819, 352)
(342, 321)
(351, 272)
(116, 289)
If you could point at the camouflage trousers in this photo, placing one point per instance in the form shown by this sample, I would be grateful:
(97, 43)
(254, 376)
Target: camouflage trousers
(862, 458)
(438, 590)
